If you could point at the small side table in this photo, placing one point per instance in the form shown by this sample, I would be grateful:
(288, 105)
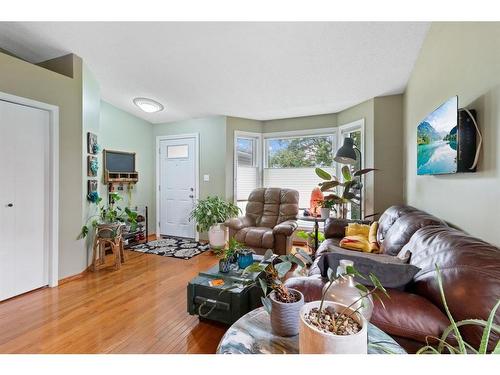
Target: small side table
(252, 334)
(316, 221)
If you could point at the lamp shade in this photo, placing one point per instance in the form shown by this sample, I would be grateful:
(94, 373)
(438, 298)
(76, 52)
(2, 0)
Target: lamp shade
(346, 154)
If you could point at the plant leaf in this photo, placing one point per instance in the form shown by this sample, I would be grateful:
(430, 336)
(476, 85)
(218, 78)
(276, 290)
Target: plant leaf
(263, 285)
(323, 174)
(330, 273)
(362, 288)
(283, 268)
(266, 302)
(364, 171)
(346, 173)
(487, 330)
(328, 185)
(268, 254)
(303, 254)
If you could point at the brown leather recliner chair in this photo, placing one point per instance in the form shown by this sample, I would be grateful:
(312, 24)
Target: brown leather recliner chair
(470, 271)
(269, 222)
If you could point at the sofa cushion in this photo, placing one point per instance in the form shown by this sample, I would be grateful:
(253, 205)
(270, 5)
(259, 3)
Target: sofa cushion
(389, 217)
(392, 272)
(260, 237)
(409, 315)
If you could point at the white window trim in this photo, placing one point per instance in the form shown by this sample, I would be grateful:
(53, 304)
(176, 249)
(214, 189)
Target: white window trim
(258, 155)
(348, 128)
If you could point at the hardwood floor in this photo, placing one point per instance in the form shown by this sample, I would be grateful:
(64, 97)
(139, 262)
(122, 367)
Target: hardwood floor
(140, 308)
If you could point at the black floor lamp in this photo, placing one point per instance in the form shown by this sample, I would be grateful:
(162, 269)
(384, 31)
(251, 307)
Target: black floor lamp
(347, 155)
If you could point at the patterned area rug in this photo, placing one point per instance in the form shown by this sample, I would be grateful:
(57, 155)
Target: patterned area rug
(177, 247)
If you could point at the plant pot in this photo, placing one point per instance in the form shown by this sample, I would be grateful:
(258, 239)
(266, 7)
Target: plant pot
(217, 236)
(224, 265)
(325, 213)
(244, 260)
(285, 316)
(314, 341)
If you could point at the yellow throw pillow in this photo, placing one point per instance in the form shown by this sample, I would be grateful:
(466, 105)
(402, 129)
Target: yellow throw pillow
(372, 238)
(355, 229)
(356, 242)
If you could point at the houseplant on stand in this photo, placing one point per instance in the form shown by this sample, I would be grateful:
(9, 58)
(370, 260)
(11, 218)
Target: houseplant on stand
(282, 303)
(333, 328)
(309, 238)
(326, 207)
(209, 214)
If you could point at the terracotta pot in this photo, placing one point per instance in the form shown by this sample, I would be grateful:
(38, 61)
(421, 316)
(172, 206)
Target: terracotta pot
(314, 341)
(285, 316)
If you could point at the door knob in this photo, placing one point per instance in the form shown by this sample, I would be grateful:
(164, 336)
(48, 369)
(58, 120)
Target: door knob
(191, 196)
(10, 205)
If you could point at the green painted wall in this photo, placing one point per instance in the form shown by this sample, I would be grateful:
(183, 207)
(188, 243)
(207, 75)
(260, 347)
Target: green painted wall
(121, 131)
(18, 77)
(459, 58)
(212, 133)
(300, 123)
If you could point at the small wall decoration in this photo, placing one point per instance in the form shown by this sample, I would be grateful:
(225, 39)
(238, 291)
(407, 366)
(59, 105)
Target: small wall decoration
(93, 166)
(92, 145)
(92, 194)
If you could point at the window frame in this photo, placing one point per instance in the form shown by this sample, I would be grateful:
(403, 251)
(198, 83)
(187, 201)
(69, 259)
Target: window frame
(258, 158)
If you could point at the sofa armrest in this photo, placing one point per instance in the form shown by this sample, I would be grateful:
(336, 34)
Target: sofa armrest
(335, 228)
(286, 228)
(310, 286)
(237, 223)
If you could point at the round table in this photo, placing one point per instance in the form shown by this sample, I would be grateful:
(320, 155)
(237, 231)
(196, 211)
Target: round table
(252, 334)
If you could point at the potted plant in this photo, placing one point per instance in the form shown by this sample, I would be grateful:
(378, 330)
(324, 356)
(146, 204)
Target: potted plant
(309, 238)
(209, 214)
(228, 255)
(282, 303)
(333, 328)
(326, 206)
(341, 197)
(108, 219)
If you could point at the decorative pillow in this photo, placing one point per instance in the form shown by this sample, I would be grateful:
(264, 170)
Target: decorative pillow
(355, 229)
(392, 271)
(372, 238)
(355, 242)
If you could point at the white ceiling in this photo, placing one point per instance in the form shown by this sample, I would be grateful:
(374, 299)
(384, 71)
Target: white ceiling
(254, 70)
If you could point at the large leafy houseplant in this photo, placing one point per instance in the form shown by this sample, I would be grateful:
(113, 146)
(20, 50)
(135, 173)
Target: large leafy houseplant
(211, 211)
(111, 214)
(342, 192)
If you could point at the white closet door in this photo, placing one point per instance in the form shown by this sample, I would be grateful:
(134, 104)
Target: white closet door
(24, 162)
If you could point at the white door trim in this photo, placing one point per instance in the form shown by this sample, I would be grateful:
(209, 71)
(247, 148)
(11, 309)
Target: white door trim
(160, 138)
(53, 206)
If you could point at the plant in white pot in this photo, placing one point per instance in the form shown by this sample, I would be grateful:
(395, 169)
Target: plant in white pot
(326, 207)
(283, 304)
(328, 327)
(209, 214)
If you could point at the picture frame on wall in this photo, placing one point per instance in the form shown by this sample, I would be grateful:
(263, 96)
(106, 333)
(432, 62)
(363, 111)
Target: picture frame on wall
(92, 166)
(92, 146)
(91, 186)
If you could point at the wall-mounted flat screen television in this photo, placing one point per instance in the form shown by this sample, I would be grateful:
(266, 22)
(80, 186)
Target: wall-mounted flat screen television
(119, 161)
(437, 140)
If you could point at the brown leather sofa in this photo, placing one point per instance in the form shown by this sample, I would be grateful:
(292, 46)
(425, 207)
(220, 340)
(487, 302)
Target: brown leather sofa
(470, 270)
(269, 222)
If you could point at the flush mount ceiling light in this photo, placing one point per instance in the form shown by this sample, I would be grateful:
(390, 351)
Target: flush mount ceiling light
(148, 105)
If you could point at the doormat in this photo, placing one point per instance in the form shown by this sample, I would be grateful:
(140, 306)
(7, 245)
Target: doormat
(176, 247)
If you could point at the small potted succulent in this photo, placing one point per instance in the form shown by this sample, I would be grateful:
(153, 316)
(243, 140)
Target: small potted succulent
(209, 214)
(282, 303)
(332, 328)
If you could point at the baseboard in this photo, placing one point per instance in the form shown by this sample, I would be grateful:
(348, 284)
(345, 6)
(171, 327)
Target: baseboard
(74, 277)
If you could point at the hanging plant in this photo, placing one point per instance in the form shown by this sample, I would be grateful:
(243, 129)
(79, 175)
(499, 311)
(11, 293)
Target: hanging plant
(93, 197)
(96, 148)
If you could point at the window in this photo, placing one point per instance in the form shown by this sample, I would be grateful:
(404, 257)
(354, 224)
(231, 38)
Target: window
(291, 162)
(247, 169)
(177, 151)
(355, 131)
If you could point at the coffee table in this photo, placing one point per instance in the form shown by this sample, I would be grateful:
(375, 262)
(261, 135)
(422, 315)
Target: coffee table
(252, 334)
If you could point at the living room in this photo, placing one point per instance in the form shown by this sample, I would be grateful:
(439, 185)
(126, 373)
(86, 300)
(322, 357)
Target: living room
(250, 187)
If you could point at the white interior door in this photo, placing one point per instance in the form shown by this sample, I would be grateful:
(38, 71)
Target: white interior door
(24, 222)
(178, 158)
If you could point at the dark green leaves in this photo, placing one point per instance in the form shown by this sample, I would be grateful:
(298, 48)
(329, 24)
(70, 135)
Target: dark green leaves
(263, 286)
(325, 186)
(346, 173)
(323, 174)
(364, 171)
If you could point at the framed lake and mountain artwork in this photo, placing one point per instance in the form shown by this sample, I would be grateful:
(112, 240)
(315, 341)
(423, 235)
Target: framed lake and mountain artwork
(437, 140)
